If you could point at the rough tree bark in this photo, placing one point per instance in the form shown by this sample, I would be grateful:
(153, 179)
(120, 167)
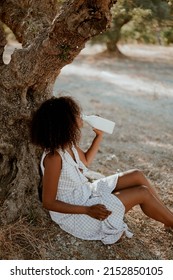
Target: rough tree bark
(50, 40)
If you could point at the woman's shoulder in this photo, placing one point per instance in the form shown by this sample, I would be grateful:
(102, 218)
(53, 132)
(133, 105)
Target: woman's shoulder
(50, 160)
(54, 158)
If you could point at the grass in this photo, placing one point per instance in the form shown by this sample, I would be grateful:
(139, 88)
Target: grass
(21, 240)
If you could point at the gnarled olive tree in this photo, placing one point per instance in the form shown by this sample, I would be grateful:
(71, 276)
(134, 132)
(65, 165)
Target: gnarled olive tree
(50, 38)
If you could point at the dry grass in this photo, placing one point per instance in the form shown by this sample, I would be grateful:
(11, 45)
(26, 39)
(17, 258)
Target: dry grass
(21, 240)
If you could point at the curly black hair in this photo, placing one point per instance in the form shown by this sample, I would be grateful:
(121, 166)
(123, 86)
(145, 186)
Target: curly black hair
(54, 124)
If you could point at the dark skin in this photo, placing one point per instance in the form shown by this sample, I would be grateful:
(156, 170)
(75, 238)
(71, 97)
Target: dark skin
(132, 188)
(53, 164)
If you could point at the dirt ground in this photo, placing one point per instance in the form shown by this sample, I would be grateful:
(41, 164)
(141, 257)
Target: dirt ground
(137, 93)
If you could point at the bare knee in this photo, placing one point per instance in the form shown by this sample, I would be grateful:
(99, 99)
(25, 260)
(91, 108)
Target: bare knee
(137, 173)
(139, 177)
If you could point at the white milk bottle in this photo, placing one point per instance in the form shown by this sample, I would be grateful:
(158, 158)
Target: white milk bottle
(99, 123)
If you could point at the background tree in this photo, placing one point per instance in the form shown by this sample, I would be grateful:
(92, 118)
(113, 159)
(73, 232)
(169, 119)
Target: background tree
(50, 39)
(139, 17)
(168, 31)
(149, 28)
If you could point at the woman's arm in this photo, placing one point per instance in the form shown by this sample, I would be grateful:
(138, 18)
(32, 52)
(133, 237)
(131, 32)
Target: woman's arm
(53, 164)
(88, 156)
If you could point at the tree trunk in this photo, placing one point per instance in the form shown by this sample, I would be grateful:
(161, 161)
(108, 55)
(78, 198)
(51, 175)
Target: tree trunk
(50, 41)
(113, 35)
(113, 49)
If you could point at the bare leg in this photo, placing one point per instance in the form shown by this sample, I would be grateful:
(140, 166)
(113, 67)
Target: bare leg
(150, 205)
(134, 178)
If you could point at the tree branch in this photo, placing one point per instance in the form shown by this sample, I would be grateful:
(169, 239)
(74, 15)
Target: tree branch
(26, 18)
(37, 66)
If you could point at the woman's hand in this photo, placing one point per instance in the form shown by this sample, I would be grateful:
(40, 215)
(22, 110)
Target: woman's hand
(98, 211)
(98, 132)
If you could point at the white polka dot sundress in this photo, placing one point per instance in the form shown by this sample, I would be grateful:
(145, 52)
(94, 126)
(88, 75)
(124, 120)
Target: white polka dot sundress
(74, 188)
